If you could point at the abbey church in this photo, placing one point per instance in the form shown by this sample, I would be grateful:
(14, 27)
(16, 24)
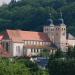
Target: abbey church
(58, 35)
(30, 43)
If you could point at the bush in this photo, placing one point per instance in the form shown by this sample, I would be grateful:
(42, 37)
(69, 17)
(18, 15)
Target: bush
(61, 67)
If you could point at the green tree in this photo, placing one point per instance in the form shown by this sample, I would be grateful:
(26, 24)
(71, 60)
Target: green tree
(45, 53)
(58, 54)
(60, 67)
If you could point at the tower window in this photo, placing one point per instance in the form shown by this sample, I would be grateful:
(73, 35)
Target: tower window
(52, 29)
(62, 28)
(57, 28)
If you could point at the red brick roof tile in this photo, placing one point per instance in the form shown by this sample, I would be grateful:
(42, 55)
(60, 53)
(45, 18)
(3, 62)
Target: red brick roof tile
(19, 35)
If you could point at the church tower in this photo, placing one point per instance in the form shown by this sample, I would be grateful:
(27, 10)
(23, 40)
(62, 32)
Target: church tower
(49, 30)
(60, 35)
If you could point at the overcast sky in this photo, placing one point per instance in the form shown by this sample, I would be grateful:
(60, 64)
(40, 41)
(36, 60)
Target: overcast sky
(4, 1)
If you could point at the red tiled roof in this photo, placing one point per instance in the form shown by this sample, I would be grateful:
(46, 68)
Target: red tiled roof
(19, 35)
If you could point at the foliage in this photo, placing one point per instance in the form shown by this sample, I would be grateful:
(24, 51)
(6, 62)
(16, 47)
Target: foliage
(58, 54)
(18, 67)
(34, 14)
(45, 53)
(62, 67)
(71, 52)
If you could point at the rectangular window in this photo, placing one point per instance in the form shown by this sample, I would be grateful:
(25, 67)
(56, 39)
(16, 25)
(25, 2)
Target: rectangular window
(31, 50)
(18, 49)
(34, 42)
(37, 50)
(34, 50)
(7, 46)
(25, 42)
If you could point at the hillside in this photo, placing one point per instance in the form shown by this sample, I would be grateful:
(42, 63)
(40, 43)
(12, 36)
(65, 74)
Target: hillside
(33, 14)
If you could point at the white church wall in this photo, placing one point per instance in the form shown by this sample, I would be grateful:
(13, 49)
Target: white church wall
(28, 52)
(71, 42)
(18, 49)
(38, 42)
(32, 52)
(41, 43)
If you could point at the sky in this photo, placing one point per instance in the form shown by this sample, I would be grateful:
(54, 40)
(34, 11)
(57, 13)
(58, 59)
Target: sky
(4, 1)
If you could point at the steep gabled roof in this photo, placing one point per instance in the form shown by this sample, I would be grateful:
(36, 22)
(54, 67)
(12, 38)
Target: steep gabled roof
(19, 35)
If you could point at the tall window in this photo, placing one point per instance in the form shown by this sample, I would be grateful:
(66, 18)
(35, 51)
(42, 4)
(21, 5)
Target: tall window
(18, 49)
(7, 46)
(37, 50)
(34, 50)
(31, 50)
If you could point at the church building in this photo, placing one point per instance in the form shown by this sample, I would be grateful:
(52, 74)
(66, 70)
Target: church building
(58, 34)
(30, 43)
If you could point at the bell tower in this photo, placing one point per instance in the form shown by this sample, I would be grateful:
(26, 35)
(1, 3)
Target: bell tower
(60, 34)
(49, 30)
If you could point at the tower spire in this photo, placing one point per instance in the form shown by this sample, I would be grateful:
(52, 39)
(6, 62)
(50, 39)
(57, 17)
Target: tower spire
(50, 16)
(61, 13)
(61, 17)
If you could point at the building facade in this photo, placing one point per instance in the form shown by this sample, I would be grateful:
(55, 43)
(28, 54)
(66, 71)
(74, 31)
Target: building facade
(59, 36)
(25, 43)
(29, 43)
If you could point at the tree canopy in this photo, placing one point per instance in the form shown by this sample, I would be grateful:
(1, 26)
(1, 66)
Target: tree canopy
(33, 14)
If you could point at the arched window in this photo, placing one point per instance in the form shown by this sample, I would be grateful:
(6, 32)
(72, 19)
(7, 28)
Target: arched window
(52, 29)
(63, 28)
